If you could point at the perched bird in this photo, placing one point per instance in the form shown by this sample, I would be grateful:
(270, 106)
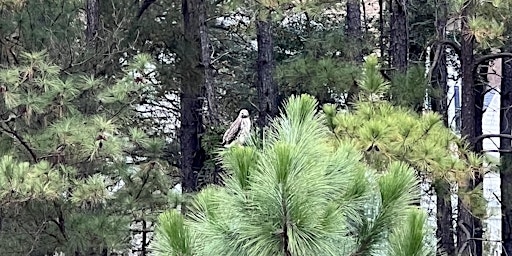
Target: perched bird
(239, 131)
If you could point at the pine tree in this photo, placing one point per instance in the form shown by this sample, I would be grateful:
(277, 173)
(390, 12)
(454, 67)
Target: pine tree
(72, 181)
(299, 194)
(385, 133)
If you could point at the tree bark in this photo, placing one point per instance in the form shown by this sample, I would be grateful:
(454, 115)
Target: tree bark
(93, 20)
(399, 38)
(192, 84)
(471, 112)
(445, 232)
(353, 28)
(209, 85)
(440, 83)
(267, 89)
(381, 29)
(506, 156)
(354, 33)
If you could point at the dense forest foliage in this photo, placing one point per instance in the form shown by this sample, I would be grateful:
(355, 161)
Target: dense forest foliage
(112, 115)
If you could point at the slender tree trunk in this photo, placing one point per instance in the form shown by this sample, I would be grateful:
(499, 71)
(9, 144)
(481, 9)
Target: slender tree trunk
(471, 109)
(353, 29)
(469, 232)
(399, 38)
(209, 86)
(92, 9)
(440, 83)
(93, 20)
(445, 232)
(355, 34)
(506, 156)
(439, 102)
(192, 84)
(381, 29)
(267, 89)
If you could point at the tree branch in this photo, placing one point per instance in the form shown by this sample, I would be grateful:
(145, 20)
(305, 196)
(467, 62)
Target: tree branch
(144, 7)
(493, 135)
(490, 57)
(22, 141)
(452, 44)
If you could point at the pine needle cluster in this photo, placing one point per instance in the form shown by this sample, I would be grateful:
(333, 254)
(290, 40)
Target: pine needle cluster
(387, 133)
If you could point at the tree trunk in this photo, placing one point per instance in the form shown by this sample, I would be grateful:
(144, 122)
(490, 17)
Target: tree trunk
(192, 84)
(399, 38)
(355, 34)
(440, 83)
(353, 29)
(445, 232)
(267, 89)
(93, 20)
(506, 156)
(471, 112)
(382, 33)
(209, 86)
(92, 12)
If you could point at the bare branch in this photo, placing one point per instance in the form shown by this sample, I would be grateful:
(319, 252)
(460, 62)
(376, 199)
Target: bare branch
(452, 45)
(22, 141)
(144, 7)
(493, 135)
(491, 57)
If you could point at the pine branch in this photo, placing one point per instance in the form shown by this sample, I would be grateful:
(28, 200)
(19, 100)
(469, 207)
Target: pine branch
(145, 180)
(22, 141)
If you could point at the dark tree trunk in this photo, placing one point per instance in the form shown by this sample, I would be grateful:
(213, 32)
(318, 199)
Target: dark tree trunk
(440, 85)
(506, 156)
(353, 28)
(440, 82)
(209, 86)
(93, 20)
(471, 109)
(355, 34)
(399, 38)
(445, 233)
(192, 84)
(469, 228)
(267, 89)
(382, 33)
(91, 34)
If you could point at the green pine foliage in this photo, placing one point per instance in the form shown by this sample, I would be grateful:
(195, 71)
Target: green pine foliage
(317, 59)
(409, 89)
(323, 77)
(299, 194)
(404, 241)
(75, 171)
(385, 133)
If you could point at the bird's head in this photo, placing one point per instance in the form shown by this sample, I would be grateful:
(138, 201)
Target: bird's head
(244, 113)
